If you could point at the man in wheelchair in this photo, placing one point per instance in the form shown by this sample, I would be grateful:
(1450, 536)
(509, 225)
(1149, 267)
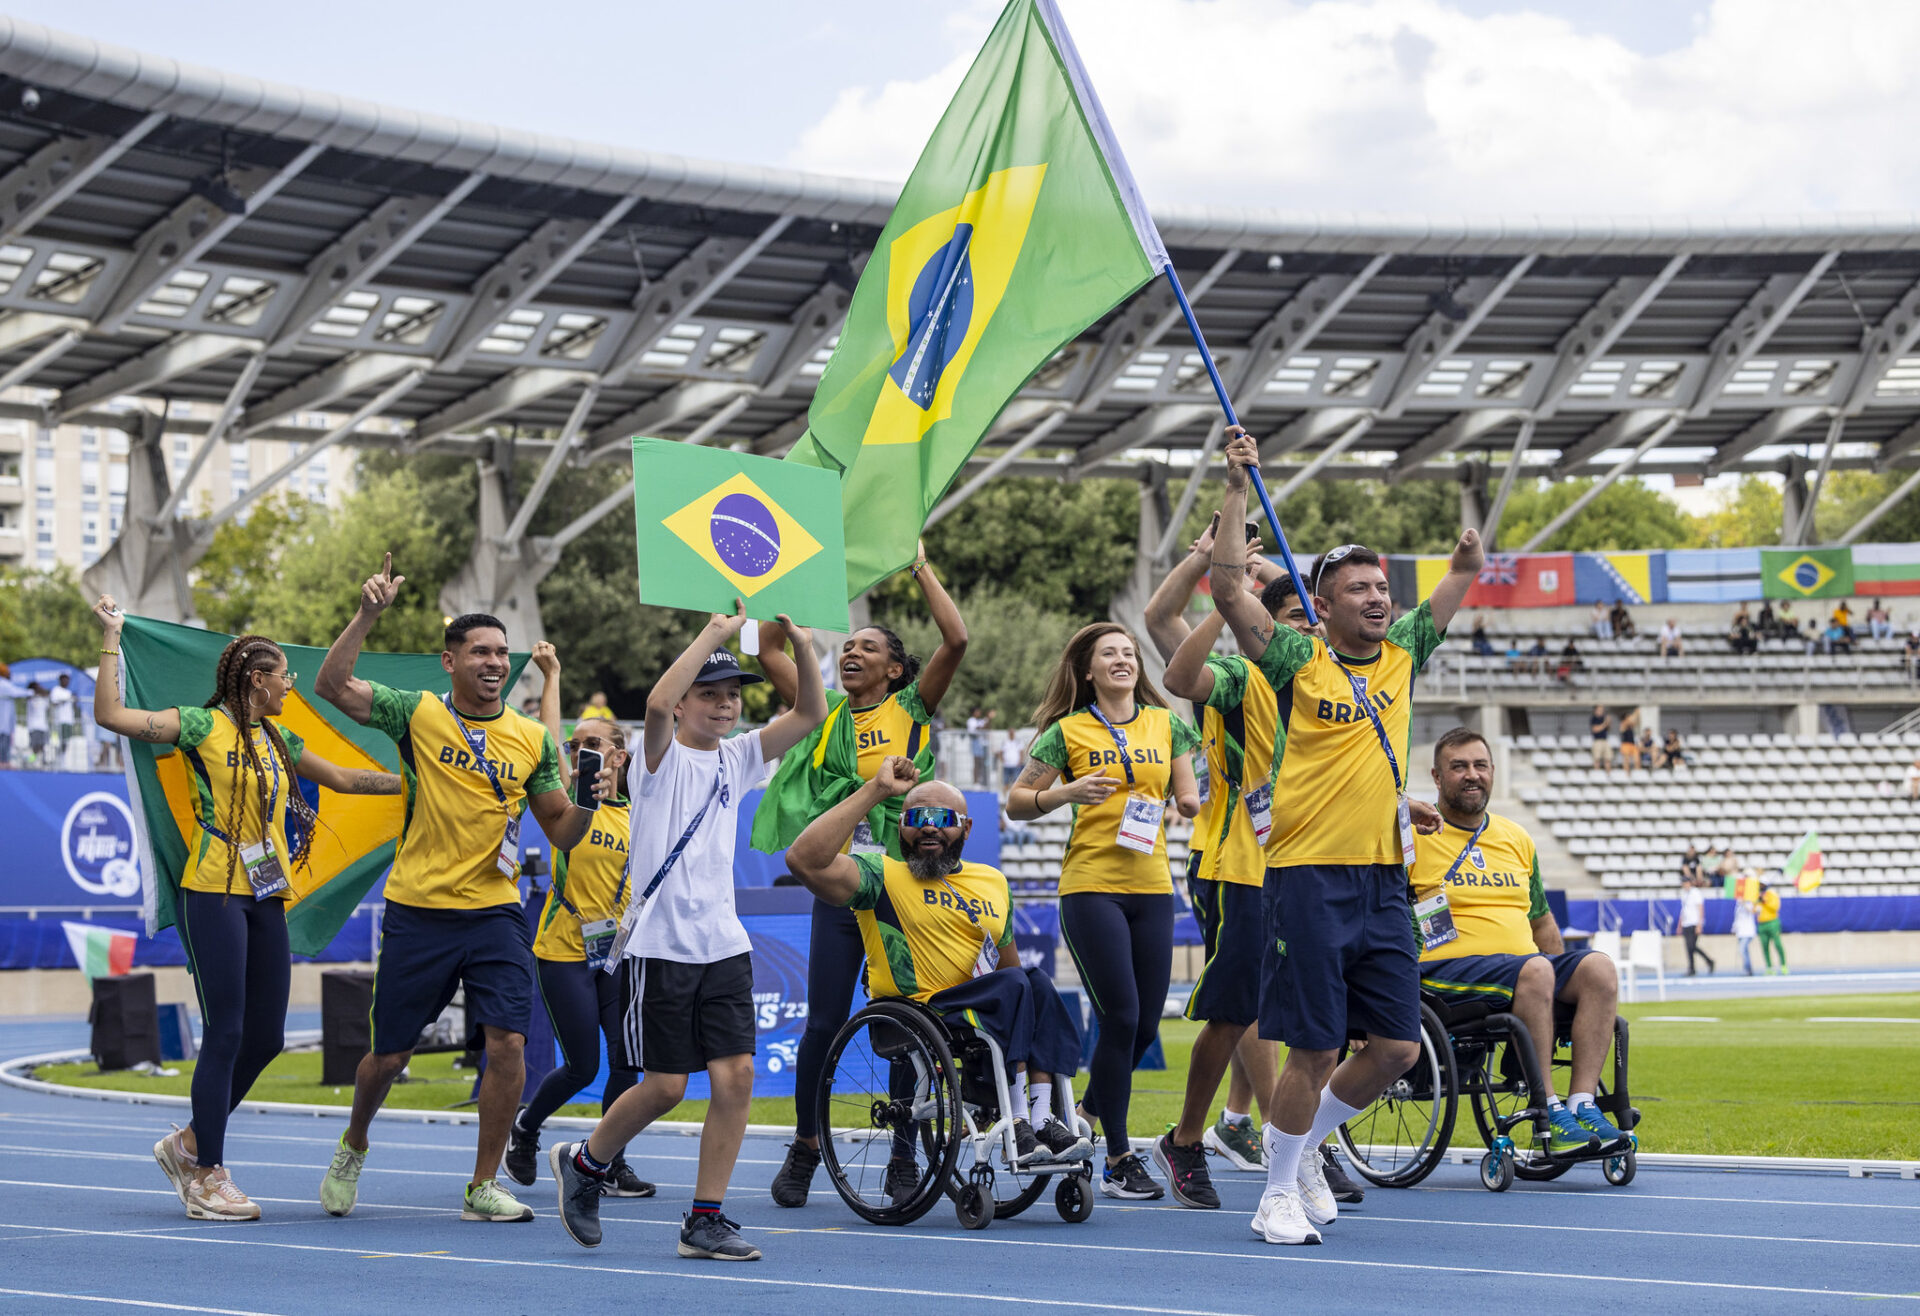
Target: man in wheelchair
(1506, 946)
(939, 930)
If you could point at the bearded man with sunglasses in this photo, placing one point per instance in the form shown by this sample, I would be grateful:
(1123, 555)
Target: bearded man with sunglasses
(939, 930)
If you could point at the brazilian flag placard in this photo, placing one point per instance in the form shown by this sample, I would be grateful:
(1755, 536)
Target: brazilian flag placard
(1806, 573)
(1020, 226)
(712, 526)
(169, 666)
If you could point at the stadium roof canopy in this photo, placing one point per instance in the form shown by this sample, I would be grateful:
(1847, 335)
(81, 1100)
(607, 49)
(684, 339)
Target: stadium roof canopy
(172, 231)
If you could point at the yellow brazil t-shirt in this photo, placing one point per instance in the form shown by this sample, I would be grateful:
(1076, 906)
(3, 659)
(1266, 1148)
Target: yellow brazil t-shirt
(1495, 893)
(895, 725)
(924, 937)
(1244, 739)
(455, 822)
(218, 772)
(587, 878)
(1080, 745)
(1334, 800)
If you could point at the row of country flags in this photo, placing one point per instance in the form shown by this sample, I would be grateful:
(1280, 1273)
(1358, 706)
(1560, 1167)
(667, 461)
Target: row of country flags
(1678, 575)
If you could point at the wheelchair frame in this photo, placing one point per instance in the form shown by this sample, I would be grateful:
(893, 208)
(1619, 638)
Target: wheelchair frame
(937, 1095)
(1459, 1045)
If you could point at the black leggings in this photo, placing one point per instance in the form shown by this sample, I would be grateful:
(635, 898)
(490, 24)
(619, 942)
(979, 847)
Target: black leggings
(1691, 936)
(241, 971)
(582, 1004)
(835, 955)
(1122, 946)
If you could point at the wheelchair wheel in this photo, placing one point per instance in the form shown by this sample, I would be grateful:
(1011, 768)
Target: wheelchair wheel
(1073, 1199)
(1619, 1169)
(888, 1093)
(1496, 1169)
(1398, 1140)
(1010, 1190)
(974, 1207)
(1497, 1089)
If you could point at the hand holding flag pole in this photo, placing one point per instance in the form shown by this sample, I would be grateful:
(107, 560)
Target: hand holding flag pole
(1226, 405)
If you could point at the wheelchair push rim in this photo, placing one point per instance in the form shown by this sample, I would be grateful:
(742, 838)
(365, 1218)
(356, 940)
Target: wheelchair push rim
(1400, 1139)
(889, 1083)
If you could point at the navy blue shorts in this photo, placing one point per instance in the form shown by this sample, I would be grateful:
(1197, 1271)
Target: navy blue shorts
(426, 955)
(1483, 977)
(1231, 923)
(1340, 954)
(1020, 1010)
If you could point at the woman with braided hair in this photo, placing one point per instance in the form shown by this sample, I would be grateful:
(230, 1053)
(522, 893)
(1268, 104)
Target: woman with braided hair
(230, 908)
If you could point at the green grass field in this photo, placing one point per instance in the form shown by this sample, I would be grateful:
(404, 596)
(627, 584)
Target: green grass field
(1751, 1078)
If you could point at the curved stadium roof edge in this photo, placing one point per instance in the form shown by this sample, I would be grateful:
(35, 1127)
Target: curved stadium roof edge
(33, 52)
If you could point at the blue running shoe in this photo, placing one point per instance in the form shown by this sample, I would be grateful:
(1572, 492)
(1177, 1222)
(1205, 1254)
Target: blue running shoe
(1567, 1136)
(1589, 1117)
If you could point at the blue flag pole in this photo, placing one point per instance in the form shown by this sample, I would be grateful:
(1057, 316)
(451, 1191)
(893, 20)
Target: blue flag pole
(1226, 405)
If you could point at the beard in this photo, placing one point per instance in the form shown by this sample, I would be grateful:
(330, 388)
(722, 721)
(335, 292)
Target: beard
(926, 866)
(1468, 801)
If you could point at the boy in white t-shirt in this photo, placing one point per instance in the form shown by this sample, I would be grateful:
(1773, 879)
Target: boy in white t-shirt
(688, 966)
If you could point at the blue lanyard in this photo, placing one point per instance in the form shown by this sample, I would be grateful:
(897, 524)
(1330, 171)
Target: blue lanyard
(1119, 738)
(620, 893)
(1461, 857)
(477, 742)
(273, 795)
(1360, 697)
(679, 847)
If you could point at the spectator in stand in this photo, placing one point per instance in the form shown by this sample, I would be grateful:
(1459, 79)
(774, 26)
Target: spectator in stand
(1481, 644)
(1767, 625)
(1516, 661)
(1910, 652)
(1690, 864)
(1729, 866)
(1671, 645)
(1693, 921)
(1913, 782)
(1622, 621)
(1671, 753)
(977, 723)
(1569, 663)
(1630, 739)
(1786, 625)
(1601, 624)
(1879, 622)
(1744, 931)
(1740, 636)
(1650, 756)
(595, 708)
(1837, 638)
(1538, 655)
(1598, 724)
(1012, 755)
(1842, 616)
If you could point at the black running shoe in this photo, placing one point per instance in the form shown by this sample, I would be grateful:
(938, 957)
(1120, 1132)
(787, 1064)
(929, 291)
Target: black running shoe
(523, 1152)
(623, 1182)
(579, 1194)
(1342, 1188)
(796, 1174)
(903, 1180)
(1129, 1179)
(1186, 1171)
(712, 1237)
(1026, 1147)
(1062, 1143)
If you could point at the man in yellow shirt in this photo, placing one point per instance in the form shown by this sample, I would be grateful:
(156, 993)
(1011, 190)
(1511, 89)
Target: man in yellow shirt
(471, 768)
(1507, 947)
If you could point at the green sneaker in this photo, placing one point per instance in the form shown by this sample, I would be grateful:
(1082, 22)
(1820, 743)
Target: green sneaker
(1238, 1143)
(487, 1200)
(1566, 1135)
(1593, 1121)
(341, 1188)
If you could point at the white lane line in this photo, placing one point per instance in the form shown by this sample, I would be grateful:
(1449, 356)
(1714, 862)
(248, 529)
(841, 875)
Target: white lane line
(1289, 1256)
(167, 1192)
(1545, 1194)
(683, 1274)
(249, 1166)
(128, 1302)
(1857, 1019)
(1678, 1019)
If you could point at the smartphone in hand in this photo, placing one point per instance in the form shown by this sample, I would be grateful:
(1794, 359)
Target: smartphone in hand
(586, 771)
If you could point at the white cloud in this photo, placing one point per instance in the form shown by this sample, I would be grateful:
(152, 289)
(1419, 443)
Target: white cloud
(1413, 107)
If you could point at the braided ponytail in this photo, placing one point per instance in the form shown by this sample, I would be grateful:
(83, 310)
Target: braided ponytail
(232, 693)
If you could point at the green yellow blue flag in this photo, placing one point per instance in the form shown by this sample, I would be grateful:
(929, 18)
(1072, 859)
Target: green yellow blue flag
(711, 526)
(1807, 866)
(1020, 226)
(1806, 573)
(170, 666)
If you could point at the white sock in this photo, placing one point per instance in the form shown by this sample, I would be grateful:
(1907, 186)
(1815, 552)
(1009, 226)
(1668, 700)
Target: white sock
(1333, 1112)
(1042, 1100)
(1235, 1116)
(1017, 1091)
(1283, 1158)
(1580, 1099)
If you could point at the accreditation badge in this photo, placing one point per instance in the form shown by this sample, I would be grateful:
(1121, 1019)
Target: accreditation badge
(1140, 823)
(264, 873)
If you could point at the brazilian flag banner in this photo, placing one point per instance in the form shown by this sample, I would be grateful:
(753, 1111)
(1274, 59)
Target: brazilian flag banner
(1020, 226)
(1806, 573)
(164, 665)
(711, 526)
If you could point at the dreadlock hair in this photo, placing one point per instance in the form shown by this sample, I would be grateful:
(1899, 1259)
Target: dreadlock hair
(232, 692)
(897, 653)
(1070, 688)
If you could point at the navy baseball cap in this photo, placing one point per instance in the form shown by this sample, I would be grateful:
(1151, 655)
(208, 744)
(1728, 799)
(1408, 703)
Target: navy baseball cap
(720, 665)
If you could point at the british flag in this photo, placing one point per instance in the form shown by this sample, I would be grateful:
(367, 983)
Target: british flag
(1500, 569)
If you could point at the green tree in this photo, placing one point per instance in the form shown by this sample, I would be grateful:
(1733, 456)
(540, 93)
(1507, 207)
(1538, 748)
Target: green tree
(1012, 647)
(1065, 547)
(45, 614)
(1625, 516)
(243, 561)
(1749, 515)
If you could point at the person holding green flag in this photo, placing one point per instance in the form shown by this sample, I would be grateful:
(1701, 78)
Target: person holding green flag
(232, 897)
(1767, 924)
(888, 703)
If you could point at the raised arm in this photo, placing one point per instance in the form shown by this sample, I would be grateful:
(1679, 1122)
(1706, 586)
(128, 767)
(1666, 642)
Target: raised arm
(1462, 571)
(937, 675)
(1187, 672)
(1252, 625)
(815, 856)
(346, 781)
(336, 682)
(674, 683)
(809, 710)
(1166, 626)
(161, 728)
(1186, 790)
(779, 665)
(547, 659)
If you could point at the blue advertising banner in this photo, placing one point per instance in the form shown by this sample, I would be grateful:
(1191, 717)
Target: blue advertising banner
(69, 841)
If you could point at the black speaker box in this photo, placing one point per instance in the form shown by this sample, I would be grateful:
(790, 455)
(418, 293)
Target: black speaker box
(126, 1021)
(346, 1026)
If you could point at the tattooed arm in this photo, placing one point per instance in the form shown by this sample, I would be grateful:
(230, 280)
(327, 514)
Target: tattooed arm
(157, 728)
(346, 781)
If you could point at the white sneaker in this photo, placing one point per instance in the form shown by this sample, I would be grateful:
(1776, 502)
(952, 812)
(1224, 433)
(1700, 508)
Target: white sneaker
(1316, 1199)
(176, 1163)
(1284, 1219)
(214, 1196)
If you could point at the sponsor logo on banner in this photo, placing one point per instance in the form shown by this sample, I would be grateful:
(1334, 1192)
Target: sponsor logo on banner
(96, 842)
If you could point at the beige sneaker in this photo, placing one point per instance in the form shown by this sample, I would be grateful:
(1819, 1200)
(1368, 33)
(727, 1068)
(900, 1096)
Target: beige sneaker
(214, 1196)
(176, 1162)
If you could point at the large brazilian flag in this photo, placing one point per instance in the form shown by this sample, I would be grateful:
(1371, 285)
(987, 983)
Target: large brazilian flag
(1020, 226)
(167, 666)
